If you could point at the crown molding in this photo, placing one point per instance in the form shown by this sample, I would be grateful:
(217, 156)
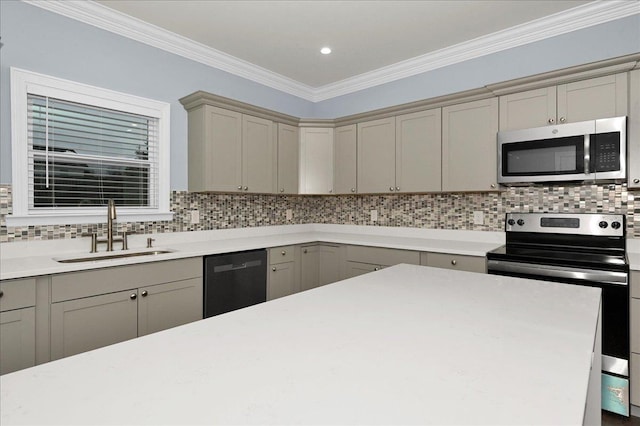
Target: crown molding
(100, 16)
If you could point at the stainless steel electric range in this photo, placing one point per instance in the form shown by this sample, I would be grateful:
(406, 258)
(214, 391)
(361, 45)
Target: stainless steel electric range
(580, 249)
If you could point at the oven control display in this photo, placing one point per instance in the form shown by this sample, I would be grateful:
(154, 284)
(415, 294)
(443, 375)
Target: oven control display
(560, 222)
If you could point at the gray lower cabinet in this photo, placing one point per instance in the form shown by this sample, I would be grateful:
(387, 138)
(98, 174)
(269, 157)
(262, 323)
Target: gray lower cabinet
(17, 325)
(320, 264)
(361, 259)
(282, 277)
(454, 261)
(635, 338)
(92, 309)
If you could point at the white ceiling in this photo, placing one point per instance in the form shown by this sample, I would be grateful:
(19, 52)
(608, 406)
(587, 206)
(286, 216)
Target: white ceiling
(277, 43)
(286, 36)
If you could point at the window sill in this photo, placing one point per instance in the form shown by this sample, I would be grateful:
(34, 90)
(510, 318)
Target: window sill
(13, 221)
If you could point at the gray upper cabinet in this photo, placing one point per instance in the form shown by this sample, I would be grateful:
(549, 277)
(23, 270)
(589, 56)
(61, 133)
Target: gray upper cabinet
(316, 160)
(469, 150)
(230, 152)
(633, 137)
(418, 151)
(258, 155)
(287, 159)
(345, 160)
(376, 156)
(590, 99)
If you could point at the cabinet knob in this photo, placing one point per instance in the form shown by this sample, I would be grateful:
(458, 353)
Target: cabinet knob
(493, 185)
(636, 181)
(304, 251)
(376, 269)
(562, 119)
(283, 253)
(454, 262)
(273, 269)
(246, 188)
(330, 191)
(353, 190)
(133, 296)
(551, 120)
(391, 188)
(240, 188)
(144, 293)
(397, 188)
(281, 189)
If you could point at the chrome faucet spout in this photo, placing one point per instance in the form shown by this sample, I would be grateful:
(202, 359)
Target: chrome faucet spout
(111, 215)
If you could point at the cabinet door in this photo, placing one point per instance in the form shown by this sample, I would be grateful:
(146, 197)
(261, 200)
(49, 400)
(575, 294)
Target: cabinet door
(377, 156)
(635, 379)
(601, 97)
(169, 305)
(215, 150)
(353, 269)
(282, 280)
(84, 324)
(331, 266)
(17, 339)
(633, 137)
(287, 159)
(316, 161)
(523, 110)
(418, 151)
(469, 147)
(259, 156)
(345, 160)
(456, 261)
(309, 267)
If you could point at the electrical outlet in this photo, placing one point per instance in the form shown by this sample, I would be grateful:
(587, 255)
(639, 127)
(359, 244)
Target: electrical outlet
(478, 218)
(374, 215)
(289, 214)
(195, 216)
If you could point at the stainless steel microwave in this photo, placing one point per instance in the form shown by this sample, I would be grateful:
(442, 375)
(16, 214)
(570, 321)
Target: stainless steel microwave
(583, 151)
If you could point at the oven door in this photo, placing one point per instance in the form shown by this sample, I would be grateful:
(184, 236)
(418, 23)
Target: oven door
(545, 154)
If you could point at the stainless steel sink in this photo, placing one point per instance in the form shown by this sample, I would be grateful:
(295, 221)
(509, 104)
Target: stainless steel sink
(109, 256)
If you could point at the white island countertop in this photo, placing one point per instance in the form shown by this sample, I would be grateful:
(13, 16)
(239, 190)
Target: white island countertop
(404, 345)
(34, 258)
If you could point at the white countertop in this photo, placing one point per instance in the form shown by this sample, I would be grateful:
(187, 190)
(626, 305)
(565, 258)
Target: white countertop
(33, 258)
(404, 345)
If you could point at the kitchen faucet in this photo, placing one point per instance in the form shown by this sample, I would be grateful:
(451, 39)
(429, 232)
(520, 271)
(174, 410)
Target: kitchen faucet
(111, 215)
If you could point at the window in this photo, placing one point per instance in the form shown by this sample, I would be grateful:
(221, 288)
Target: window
(76, 146)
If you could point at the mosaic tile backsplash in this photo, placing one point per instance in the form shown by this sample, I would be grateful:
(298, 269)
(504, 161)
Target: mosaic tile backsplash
(433, 211)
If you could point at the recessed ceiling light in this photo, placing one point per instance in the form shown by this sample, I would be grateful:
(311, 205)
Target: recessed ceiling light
(325, 50)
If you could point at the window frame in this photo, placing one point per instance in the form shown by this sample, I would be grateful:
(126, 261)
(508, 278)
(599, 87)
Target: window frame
(24, 82)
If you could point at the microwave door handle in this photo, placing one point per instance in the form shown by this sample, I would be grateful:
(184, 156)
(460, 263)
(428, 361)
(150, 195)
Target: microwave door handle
(587, 154)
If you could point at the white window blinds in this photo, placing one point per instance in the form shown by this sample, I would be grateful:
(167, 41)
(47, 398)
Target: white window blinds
(81, 156)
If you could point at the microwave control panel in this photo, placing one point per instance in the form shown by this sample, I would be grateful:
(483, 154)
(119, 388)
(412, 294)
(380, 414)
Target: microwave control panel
(607, 153)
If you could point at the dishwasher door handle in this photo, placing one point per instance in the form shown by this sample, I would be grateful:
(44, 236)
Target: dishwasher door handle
(237, 266)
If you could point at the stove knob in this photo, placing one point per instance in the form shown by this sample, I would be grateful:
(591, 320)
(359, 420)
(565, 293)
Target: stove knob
(520, 222)
(616, 225)
(603, 224)
(511, 222)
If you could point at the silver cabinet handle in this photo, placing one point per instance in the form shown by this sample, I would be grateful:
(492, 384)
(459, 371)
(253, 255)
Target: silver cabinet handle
(551, 120)
(330, 191)
(562, 119)
(493, 185)
(391, 188)
(133, 296)
(273, 269)
(353, 190)
(240, 188)
(304, 251)
(284, 253)
(144, 293)
(281, 189)
(397, 188)
(636, 181)
(454, 262)
(246, 188)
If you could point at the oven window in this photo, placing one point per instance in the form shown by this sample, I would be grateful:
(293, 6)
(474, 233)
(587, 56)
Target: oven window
(544, 157)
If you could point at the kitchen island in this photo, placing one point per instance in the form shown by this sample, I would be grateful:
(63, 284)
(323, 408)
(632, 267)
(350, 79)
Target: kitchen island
(407, 344)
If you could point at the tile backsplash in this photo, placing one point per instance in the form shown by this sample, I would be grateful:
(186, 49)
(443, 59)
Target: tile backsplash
(434, 211)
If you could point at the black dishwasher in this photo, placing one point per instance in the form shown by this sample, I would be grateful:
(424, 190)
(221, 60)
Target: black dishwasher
(234, 280)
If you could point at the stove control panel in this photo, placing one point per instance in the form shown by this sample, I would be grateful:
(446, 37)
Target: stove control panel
(596, 224)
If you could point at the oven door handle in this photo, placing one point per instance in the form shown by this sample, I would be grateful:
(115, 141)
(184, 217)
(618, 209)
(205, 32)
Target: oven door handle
(607, 277)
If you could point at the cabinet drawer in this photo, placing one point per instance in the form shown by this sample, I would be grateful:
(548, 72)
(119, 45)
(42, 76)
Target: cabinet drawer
(281, 254)
(635, 379)
(635, 284)
(17, 294)
(382, 256)
(456, 261)
(635, 325)
(118, 278)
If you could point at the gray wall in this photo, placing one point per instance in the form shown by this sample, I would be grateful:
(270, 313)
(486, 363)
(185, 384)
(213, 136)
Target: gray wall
(44, 42)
